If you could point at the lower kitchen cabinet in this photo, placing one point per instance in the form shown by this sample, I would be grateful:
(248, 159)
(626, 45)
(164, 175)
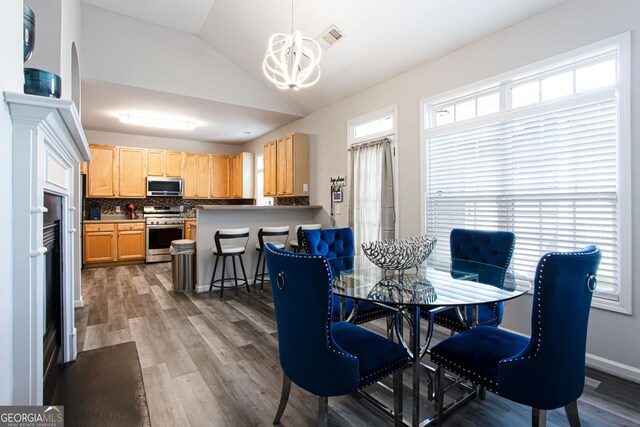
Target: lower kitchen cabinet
(187, 229)
(99, 243)
(131, 241)
(106, 244)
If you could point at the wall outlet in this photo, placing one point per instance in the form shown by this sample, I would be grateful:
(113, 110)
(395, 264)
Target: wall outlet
(305, 187)
(117, 209)
(337, 209)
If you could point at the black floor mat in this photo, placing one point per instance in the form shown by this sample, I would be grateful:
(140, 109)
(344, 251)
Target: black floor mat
(104, 387)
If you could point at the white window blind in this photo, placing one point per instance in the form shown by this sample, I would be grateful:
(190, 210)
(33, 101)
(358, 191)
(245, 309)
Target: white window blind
(549, 176)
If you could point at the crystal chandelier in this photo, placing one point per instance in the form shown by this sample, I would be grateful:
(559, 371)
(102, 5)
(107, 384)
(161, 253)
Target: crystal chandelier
(292, 61)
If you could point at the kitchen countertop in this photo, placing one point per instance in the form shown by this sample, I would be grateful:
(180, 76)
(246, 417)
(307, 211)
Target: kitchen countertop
(112, 218)
(255, 208)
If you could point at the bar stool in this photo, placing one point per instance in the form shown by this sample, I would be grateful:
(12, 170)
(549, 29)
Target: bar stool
(235, 246)
(296, 243)
(276, 235)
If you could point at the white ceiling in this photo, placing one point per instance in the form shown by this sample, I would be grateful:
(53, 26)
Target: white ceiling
(217, 121)
(381, 39)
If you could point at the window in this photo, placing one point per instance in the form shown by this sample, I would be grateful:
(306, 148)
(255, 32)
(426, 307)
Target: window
(546, 159)
(372, 176)
(260, 199)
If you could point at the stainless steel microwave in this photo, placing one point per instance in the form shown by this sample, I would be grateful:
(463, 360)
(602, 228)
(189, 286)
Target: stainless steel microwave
(160, 186)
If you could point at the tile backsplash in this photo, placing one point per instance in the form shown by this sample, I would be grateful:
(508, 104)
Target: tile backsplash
(108, 206)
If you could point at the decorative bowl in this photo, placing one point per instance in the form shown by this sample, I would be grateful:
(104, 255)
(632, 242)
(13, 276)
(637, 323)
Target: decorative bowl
(399, 254)
(42, 83)
(29, 31)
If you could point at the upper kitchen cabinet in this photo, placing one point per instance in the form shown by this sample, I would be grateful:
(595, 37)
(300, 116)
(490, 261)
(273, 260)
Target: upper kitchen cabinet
(102, 173)
(219, 176)
(164, 163)
(242, 176)
(132, 172)
(292, 165)
(196, 175)
(173, 164)
(269, 152)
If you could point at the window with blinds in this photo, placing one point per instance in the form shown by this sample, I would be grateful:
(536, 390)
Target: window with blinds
(550, 173)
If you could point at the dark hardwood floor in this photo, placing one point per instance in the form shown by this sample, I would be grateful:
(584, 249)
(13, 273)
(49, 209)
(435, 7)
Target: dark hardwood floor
(207, 362)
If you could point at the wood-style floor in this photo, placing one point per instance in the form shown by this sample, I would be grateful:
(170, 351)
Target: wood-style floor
(207, 362)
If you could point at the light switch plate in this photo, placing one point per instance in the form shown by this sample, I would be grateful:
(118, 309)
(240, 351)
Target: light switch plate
(337, 209)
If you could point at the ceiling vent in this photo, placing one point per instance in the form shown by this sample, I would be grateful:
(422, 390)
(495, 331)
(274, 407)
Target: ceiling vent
(329, 37)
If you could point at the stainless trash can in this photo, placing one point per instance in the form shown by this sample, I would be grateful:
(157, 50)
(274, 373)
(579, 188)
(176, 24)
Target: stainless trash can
(183, 256)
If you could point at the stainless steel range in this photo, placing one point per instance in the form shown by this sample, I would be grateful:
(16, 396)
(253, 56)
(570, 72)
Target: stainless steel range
(164, 224)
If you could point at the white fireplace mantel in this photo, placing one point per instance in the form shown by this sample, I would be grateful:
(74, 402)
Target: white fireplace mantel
(48, 145)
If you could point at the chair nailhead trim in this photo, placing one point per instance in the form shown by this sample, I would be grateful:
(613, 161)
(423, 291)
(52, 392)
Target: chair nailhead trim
(463, 372)
(373, 376)
(539, 303)
(326, 266)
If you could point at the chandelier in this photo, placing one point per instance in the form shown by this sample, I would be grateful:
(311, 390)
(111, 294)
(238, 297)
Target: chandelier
(292, 61)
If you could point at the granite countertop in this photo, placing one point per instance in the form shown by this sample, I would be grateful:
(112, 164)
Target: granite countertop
(112, 218)
(255, 208)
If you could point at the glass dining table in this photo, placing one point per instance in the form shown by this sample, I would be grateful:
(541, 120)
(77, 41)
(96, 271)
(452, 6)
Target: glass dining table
(433, 287)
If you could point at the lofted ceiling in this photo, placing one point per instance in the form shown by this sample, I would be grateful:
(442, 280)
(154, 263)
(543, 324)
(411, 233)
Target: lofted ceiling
(381, 39)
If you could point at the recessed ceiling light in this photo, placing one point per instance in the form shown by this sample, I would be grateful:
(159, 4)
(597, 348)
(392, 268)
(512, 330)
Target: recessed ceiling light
(157, 121)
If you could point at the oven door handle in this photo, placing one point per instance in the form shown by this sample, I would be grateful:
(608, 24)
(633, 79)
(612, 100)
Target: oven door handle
(151, 227)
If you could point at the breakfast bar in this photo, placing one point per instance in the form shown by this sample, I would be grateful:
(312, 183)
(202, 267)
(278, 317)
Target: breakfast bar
(214, 217)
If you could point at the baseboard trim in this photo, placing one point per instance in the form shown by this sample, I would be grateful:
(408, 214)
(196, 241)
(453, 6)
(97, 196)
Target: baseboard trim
(199, 289)
(627, 372)
(612, 367)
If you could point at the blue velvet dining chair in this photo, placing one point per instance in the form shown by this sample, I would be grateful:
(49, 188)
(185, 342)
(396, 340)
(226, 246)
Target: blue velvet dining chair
(320, 356)
(484, 247)
(545, 371)
(335, 243)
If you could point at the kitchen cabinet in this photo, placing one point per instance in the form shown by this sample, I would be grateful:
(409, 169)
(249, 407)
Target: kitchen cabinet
(187, 229)
(173, 164)
(269, 157)
(102, 173)
(196, 175)
(164, 163)
(286, 166)
(219, 176)
(107, 243)
(242, 176)
(131, 241)
(99, 243)
(132, 172)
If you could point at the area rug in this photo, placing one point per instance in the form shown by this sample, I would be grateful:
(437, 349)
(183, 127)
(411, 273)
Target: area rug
(104, 387)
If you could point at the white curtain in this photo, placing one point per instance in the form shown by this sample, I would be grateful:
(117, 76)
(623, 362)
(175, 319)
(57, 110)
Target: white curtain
(372, 210)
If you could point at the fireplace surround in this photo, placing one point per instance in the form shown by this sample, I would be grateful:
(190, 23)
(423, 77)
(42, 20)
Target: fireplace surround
(48, 145)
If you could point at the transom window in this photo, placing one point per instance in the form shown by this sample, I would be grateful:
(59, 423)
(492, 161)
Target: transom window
(543, 152)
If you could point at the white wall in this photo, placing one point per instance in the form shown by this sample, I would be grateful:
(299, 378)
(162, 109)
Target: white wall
(613, 341)
(126, 140)
(10, 80)
(130, 52)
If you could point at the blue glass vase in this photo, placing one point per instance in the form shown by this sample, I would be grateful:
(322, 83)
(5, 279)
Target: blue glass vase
(29, 31)
(41, 83)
